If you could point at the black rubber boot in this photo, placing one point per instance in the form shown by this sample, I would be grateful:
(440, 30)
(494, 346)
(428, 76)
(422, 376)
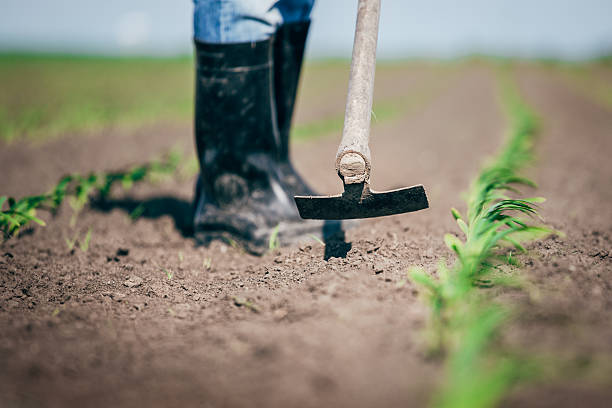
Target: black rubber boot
(240, 193)
(288, 55)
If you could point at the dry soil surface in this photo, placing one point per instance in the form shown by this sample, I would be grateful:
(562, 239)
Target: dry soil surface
(145, 317)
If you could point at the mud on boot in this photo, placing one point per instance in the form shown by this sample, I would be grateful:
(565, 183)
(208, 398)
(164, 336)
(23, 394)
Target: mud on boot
(242, 193)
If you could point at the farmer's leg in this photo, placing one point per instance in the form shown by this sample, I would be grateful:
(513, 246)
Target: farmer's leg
(237, 21)
(242, 190)
(289, 45)
(295, 11)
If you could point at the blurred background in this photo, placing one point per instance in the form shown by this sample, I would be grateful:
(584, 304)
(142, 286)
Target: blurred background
(560, 29)
(75, 67)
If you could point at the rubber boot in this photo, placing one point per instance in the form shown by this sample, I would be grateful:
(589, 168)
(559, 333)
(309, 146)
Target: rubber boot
(288, 55)
(240, 194)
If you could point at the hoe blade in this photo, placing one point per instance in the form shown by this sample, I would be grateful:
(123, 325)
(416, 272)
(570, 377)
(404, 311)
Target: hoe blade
(358, 201)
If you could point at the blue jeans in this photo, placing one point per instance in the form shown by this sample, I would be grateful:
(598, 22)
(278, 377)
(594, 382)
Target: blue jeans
(238, 21)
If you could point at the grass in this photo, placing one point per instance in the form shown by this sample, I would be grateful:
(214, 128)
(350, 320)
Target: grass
(465, 321)
(44, 97)
(78, 190)
(381, 111)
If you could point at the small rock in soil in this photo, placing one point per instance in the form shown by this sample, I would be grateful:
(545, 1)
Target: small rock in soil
(243, 302)
(133, 282)
(117, 297)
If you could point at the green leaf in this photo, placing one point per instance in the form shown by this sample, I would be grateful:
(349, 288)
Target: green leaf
(535, 200)
(463, 226)
(456, 213)
(453, 243)
(84, 246)
(419, 276)
(516, 244)
(273, 242)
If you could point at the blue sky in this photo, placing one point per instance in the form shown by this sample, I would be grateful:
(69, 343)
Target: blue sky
(568, 29)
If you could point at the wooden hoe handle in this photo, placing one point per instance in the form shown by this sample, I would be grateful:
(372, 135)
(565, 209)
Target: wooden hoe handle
(353, 157)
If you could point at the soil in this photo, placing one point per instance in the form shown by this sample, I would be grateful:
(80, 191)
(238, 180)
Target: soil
(145, 317)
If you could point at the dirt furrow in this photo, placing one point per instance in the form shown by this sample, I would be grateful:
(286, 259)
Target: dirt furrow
(142, 318)
(566, 321)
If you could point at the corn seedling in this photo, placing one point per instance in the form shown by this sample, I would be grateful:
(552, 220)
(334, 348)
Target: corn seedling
(464, 322)
(231, 242)
(137, 212)
(319, 240)
(70, 242)
(19, 213)
(84, 246)
(273, 241)
(78, 190)
(207, 263)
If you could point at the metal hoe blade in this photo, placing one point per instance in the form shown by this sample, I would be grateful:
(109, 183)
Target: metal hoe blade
(358, 201)
(353, 162)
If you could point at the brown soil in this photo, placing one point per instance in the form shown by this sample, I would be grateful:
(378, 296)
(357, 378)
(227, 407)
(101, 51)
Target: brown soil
(140, 320)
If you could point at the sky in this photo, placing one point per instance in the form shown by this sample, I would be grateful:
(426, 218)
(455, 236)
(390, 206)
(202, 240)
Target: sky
(563, 29)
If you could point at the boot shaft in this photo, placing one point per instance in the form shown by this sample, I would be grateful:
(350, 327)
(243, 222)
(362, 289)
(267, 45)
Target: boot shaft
(289, 45)
(235, 112)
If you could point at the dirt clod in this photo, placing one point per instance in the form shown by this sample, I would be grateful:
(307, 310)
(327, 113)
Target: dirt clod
(133, 282)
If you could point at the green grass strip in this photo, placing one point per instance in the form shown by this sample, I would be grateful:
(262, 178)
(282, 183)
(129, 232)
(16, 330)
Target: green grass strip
(465, 320)
(78, 190)
(46, 97)
(381, 112)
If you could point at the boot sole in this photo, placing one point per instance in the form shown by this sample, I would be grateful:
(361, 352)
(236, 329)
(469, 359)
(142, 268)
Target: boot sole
(287, 233)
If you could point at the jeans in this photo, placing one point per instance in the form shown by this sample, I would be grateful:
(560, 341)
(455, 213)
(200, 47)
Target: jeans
(239, 21)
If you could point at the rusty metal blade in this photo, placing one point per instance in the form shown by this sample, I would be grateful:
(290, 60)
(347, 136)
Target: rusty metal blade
(358, 201)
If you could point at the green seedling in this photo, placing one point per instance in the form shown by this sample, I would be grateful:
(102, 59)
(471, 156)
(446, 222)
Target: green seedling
(181, 257)
(137, 212)
(83, 245)
(464, 321)
(19, 214)
(207, 263)
(319, 240)
(84, 187)
(273, 241)
(70, 242)
(78, 190)
(233, 243)
(168, 273)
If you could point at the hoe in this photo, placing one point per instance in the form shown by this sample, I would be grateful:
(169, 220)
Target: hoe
(353, 158)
